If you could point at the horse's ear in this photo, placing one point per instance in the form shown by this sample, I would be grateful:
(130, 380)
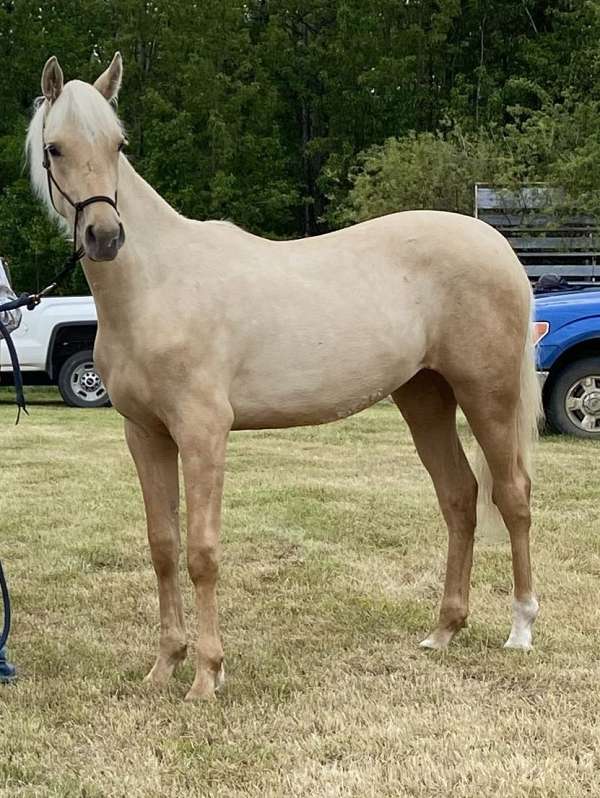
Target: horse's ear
(109, 82)
(52, 79)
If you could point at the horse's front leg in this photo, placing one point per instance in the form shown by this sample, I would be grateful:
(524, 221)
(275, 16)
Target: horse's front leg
(202, 447)
(155, 457)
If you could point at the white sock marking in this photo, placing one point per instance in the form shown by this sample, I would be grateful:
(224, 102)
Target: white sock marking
(524, 614)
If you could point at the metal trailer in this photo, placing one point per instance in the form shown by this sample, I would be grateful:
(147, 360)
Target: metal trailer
(544, 237)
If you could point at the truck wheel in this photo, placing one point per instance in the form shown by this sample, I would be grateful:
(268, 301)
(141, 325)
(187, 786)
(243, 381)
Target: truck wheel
(79, 383)
(573, 406)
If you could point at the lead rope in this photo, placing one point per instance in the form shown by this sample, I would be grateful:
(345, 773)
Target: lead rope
(31, 301)
(6, 605)
(17, 376)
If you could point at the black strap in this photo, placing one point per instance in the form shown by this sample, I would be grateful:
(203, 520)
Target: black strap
(69, 266)
(77, 253)
(6, 604)
(79, 206)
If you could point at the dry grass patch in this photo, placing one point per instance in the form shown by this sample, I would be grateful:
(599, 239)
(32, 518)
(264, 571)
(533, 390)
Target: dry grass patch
(333, 560)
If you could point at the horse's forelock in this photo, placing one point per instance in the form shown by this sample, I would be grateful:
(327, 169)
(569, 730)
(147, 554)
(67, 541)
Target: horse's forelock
(82, 103)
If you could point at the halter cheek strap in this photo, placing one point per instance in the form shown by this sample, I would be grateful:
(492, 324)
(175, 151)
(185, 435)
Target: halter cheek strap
(78, 253)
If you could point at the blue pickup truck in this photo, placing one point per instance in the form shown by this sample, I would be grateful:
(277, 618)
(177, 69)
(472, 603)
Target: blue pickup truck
(567, 329)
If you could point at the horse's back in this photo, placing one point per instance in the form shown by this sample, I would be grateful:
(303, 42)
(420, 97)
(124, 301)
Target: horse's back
(419, 243)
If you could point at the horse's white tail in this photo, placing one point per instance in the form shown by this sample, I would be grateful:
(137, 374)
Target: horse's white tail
(489, 521)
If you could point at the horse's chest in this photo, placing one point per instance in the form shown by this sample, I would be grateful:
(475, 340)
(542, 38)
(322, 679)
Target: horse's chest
(128, 378)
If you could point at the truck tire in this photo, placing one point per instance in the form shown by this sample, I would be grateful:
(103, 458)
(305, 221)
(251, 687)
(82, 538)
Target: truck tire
(79, 383)
(573, 405)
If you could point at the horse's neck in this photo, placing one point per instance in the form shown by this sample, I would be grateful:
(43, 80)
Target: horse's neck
(149, 222)
(141, 207)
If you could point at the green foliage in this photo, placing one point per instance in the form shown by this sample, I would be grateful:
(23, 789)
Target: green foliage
(291, 118)
(422, 170)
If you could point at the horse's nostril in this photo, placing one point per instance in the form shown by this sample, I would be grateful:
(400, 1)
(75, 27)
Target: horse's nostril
(103, 243)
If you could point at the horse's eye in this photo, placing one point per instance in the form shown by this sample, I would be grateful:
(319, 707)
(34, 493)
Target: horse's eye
(53, 150)
(122, 145)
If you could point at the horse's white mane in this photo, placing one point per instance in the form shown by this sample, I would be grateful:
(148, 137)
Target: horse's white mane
(80, 104)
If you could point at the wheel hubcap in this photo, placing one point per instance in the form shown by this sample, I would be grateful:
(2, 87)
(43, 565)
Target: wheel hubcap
(582, 403)
(86, 383)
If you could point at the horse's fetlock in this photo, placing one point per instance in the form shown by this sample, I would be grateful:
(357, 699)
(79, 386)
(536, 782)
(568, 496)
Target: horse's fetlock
(174, 644)
(526, 609)
(453, 614)
(211, 660)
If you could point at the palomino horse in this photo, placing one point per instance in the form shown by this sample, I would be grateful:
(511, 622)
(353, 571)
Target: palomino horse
(204, 328)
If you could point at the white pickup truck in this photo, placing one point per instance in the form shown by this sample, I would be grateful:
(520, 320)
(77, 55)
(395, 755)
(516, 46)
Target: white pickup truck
(55, 343)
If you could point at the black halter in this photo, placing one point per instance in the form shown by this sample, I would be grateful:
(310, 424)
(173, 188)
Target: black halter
(78, 253)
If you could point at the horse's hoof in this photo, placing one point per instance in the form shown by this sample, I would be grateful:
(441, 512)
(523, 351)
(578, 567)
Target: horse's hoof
(165, 666)
(431, 644)
(517, 644)
(206, 686)
(194, 695)
(153, 680)
(160, 674)
(437, 640)
(524, 615)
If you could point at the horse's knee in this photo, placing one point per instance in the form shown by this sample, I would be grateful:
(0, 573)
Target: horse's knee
(203, 562)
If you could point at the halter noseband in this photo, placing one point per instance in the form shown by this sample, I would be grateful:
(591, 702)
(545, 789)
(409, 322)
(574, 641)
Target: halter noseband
(78, 253)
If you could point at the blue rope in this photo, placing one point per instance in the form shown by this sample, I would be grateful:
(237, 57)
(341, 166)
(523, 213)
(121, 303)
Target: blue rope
(30, 301)
(6, 603)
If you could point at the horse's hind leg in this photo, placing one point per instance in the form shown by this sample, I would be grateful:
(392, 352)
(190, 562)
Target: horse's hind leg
(429, 407)
(493, 419)
(156, 460)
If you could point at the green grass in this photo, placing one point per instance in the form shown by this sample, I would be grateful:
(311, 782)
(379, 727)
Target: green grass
(331, 573)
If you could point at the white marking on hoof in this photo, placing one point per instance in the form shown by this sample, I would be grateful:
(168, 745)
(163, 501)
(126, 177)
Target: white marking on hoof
(220, 679)
(521, 634)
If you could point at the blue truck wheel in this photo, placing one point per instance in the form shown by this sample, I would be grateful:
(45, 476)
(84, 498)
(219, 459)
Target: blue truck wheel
(573, 404)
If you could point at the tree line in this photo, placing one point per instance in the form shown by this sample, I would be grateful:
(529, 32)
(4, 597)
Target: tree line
(294, 118)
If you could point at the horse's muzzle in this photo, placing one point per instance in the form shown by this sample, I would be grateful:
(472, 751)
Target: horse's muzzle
(103, 244)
